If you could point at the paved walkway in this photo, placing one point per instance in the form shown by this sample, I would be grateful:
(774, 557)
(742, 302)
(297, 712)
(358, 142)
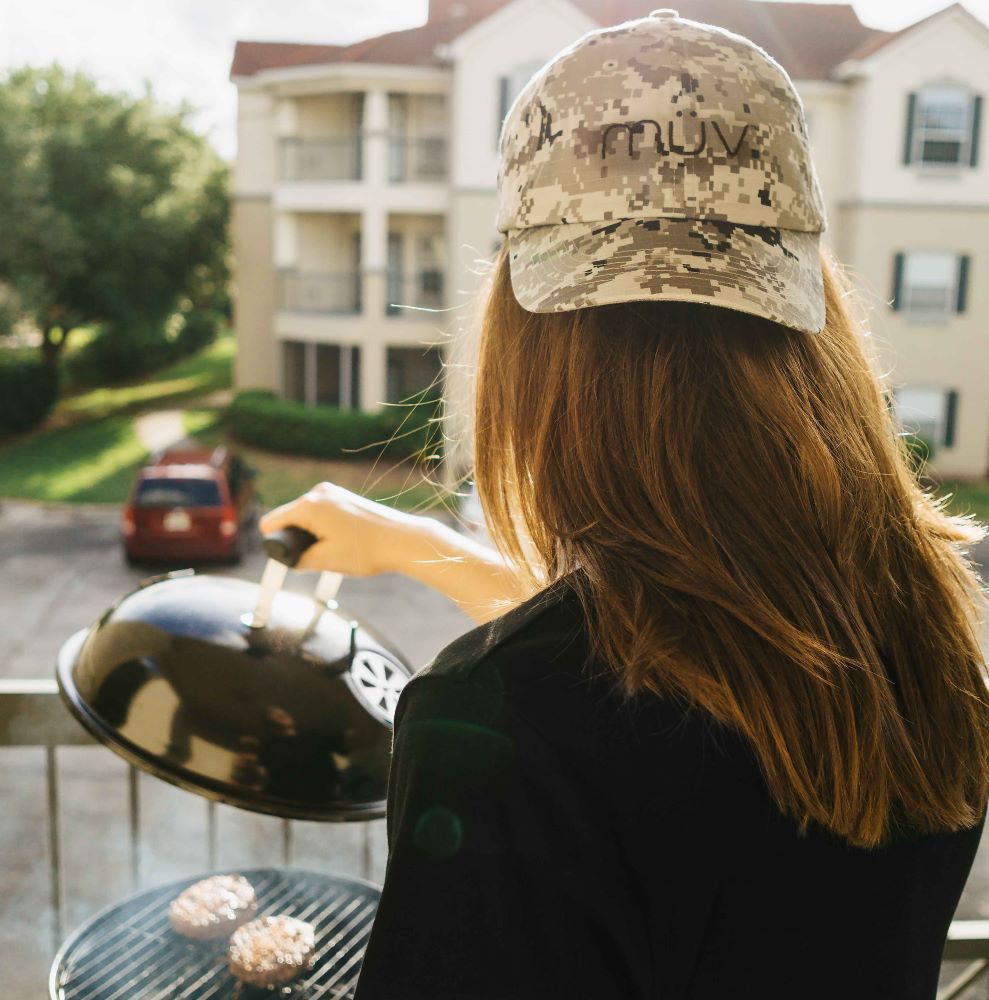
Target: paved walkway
(159, 429)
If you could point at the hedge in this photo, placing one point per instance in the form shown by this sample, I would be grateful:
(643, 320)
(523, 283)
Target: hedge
(28, 391)
(257, 417)
(116, 354)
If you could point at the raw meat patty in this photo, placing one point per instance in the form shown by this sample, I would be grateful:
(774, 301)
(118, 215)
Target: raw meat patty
(213, 908)
(272, 950)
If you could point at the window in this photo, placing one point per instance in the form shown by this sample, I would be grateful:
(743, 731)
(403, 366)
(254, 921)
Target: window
(321, 374)
(510, 86)
(930, 285)
(413, 371)
(927, 413)
(172, 492)
(943, 126)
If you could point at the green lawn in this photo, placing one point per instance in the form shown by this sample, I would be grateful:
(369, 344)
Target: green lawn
(190, 378)
(968, 498)
(91, 462)
(88, 451)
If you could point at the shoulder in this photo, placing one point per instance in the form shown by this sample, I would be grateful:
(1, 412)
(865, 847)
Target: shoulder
(503, 659)
(526, 683)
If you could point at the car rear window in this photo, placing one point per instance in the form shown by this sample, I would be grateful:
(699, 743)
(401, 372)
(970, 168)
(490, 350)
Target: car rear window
(178, 493)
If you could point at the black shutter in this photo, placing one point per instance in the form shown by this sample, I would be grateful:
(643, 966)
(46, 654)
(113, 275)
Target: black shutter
(963, 265)
(502, 106)
(950, 418)
(897, 282)
(908, 141)
(976, 127)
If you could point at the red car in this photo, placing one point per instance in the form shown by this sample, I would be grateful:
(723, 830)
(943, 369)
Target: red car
(190, 504)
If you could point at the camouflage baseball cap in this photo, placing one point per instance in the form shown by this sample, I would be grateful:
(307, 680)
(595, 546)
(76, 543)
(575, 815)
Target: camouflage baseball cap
(662, 159)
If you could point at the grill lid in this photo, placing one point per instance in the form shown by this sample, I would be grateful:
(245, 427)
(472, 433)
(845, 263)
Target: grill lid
(286, 709)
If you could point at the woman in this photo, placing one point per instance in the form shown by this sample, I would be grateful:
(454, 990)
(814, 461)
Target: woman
(731, 737)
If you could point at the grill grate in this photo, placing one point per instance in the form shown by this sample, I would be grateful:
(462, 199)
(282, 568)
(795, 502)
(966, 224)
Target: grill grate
(130, 952)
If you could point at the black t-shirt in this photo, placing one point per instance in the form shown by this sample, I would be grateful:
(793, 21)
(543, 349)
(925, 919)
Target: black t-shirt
(547, 840)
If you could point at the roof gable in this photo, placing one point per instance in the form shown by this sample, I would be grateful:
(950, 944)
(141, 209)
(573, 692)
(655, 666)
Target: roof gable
(808, 39)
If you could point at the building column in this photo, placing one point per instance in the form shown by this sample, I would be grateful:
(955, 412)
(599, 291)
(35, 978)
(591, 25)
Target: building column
(374, 218)
(374, 383)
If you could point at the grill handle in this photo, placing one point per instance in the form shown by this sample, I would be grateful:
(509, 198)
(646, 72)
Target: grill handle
(286, 546)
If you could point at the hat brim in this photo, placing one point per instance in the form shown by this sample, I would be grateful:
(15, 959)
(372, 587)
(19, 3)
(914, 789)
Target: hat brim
(774, 273)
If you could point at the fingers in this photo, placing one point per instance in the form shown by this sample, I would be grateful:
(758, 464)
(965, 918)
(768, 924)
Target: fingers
(319, 556)
(297, 513)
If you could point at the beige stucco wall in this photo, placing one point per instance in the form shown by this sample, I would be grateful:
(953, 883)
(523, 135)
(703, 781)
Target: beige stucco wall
(949, 355)
(325, 241)
(952, 48)
(254, 293)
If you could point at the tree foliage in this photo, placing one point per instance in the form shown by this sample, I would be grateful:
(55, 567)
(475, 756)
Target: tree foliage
(114, 212)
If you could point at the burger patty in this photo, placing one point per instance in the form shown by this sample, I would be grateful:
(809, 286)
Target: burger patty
(213, 908)
(270, 951)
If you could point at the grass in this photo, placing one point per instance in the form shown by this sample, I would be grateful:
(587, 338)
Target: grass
(88, 451)
(281, 478)
(92, 462)
(968, 498)
(190, 378)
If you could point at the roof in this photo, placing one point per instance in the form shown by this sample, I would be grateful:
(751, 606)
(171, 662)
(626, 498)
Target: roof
(885, 37)
(808, 39)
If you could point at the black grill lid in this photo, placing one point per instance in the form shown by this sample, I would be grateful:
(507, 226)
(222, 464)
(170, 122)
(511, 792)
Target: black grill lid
(292, 719)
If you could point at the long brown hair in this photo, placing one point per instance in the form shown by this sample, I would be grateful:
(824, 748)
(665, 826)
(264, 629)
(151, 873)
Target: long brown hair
(746, 534)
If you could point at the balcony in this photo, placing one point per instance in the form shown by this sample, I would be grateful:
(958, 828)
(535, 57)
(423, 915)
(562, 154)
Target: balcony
(321, 159)
(420, 159)
(418, 294)
(322, 293)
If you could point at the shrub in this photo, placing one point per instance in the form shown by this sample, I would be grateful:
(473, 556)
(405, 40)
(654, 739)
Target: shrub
(259, 418)
(198, 330)
(28, 391)
(115, 354)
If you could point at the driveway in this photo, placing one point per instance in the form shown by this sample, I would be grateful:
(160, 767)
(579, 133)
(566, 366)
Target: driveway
(61, 567)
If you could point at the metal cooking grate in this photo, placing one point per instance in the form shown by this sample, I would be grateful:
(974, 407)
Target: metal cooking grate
(130, 951)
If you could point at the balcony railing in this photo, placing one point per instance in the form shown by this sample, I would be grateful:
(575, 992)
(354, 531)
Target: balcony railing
(416, 294)
(327, 159)
(422, 158)
(336, 293)
(32, 715)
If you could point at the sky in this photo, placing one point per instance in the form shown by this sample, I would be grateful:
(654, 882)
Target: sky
(184, 47)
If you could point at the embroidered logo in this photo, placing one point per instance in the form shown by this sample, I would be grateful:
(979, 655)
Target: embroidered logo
(699, 140)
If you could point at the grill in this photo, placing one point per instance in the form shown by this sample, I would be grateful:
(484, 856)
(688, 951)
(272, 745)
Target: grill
(130, 952)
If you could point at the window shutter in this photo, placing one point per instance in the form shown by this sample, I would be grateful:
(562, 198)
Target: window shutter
(963, 265)
(908, 140)
(976, 127)
(503, 83)
(950, 418)
(897, 282)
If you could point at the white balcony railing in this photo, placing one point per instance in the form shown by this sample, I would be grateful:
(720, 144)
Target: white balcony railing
(324, 159)
(417, 159)
(32, 716)
(328, 293)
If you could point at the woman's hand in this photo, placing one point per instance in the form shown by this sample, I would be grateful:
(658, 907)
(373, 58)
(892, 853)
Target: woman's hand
(356, 536)
(359, 537)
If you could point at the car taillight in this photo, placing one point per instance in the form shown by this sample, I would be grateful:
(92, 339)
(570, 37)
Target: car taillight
(228, 525)
(129, 527)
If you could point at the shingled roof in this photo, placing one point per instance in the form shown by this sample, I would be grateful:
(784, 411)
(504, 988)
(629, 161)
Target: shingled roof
(809, 39)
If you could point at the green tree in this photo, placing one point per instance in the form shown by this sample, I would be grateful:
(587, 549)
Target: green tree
(114, 211)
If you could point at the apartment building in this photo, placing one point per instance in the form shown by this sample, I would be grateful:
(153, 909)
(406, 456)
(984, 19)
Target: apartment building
(365, 197)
